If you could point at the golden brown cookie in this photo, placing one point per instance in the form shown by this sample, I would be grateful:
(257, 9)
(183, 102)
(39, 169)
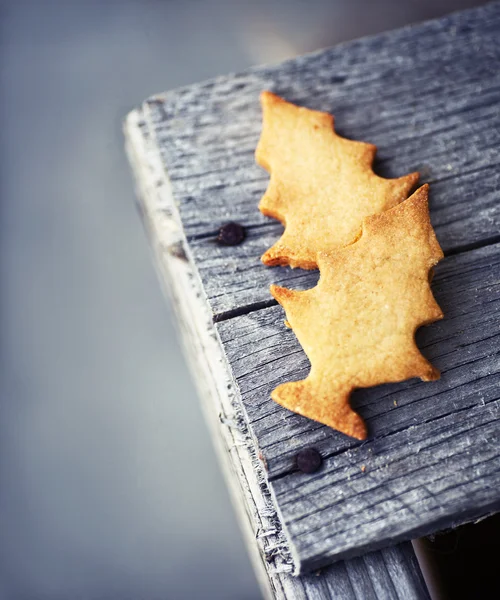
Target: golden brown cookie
(322, 185)
(357, 326)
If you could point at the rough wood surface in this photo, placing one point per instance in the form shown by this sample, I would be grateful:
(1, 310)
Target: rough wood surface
(464, 346)
(428, 97)
(432, 458)
(392, 573)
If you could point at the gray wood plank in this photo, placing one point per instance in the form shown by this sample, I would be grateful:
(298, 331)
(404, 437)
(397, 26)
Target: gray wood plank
(432, 458)
(392, 573)
(465, 346)
(427, 96)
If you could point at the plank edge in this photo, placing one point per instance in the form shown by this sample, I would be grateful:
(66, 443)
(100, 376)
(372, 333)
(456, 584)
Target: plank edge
(182, 287)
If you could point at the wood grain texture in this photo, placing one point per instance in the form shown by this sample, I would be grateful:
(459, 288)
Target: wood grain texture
(432, 458)
(464, 346)
(427, 96)
(391, 573)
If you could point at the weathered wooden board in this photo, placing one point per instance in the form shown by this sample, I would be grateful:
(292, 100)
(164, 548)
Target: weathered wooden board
(428, 96)
(465, 346)
(433, 454)
(389, 574)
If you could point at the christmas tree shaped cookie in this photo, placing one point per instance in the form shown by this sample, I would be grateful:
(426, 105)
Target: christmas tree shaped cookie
(357, 326)
(322, 185)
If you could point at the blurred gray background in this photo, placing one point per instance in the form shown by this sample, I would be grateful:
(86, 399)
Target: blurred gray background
(109, 488)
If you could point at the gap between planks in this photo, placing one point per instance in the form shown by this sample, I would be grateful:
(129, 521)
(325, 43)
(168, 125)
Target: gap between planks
(248, 308)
